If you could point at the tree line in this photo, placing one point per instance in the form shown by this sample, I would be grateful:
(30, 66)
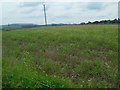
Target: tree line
(114, 21)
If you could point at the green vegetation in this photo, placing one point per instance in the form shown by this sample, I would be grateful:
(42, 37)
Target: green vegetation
(76, 56)
(114, 21)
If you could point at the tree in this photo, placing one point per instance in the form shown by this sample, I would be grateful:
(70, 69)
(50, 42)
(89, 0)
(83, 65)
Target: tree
(89, 22)
(82, 23)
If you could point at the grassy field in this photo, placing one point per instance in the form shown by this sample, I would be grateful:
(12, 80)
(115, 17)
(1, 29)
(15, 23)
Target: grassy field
(76, 56)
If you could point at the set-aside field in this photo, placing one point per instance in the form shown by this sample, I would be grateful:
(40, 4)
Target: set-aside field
(76, 56)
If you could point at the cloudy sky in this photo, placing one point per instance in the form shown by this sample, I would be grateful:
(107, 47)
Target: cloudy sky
(57, 12)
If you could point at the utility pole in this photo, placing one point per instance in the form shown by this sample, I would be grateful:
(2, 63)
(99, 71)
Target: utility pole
(45, 15)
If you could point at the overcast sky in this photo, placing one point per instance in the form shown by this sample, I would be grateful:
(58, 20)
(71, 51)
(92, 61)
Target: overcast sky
(57, 12)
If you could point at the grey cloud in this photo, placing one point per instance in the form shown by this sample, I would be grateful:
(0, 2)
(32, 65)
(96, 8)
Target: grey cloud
(31, 4)
(62, 17)
(95, 5)
(35, 17)
(28, 11)
(32, 9)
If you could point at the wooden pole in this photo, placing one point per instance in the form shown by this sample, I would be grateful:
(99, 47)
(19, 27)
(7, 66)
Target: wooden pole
(45, 15)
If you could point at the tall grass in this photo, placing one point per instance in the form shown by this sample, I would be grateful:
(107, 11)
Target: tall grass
(62, 57)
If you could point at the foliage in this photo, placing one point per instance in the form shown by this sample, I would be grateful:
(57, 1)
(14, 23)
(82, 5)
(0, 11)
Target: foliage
(115, 21)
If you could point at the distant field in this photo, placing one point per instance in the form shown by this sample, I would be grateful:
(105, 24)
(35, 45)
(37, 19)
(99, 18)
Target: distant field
(77, 56)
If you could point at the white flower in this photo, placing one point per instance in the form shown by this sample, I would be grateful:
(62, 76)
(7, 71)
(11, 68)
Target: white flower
(89, 80)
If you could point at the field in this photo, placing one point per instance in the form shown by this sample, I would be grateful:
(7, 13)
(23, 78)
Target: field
(76, 56)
